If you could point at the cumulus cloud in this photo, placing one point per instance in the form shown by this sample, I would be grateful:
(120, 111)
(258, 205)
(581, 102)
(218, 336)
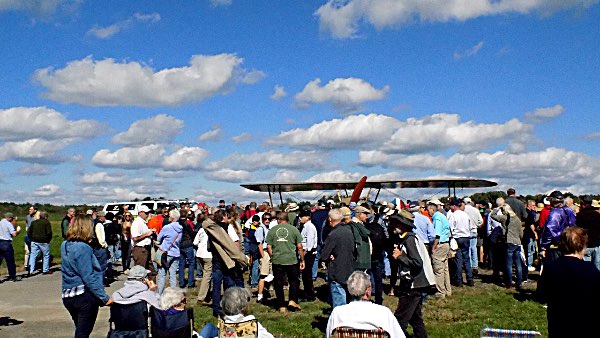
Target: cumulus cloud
(102, 177)
(47, 190)
(284, 175)
(545, 113)
(228, 175)
(186, 158)
(335, 176)
(159, 129)
(212, 135)
(349, 132)
(342, 18)
(270, 159)
(469, 52)
(279, 93)
(44, 123)
(149, 156)
(243, 137)
(346, 95)
(108, 82)
(109, 193)
(110, 30)
(446, 131)
(35, 150)
(33, 169)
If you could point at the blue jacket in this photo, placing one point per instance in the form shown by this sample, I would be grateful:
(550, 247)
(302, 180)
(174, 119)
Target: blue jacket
(559, 219)
(80, 267)
(170, 237)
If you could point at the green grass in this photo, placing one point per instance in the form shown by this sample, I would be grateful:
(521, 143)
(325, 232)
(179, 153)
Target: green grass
(462, 315)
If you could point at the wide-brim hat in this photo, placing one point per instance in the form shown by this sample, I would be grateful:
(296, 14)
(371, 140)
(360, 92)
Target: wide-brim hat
(539, 207)
(292, 207)
(435, 201)
(595, 204)
(404, 217)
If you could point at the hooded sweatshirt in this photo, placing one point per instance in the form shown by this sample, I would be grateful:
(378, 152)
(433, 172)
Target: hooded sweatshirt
(134, 291)
(170, 238)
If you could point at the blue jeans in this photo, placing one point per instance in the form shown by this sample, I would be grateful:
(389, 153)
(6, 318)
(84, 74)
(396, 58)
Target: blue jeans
(115, 253)
(473, 252)
(84, 311)
(7, 253)
(36, 248)
(315, 268)
(463, 259)
(255, 272)
(225, 277)
(187, 255)
(209, 331)
(102, 257)
(593, 255)
(337, 293)
(377, 280)
(386, 264)
(513, 256)
(530, 251)
(162, 274)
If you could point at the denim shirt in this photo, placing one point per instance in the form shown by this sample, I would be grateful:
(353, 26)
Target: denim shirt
(170, 238)
(80, 267)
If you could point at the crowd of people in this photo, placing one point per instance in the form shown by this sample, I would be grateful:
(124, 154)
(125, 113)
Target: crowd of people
(422, 246)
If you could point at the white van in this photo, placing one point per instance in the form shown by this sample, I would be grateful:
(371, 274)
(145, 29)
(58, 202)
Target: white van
(134, 207)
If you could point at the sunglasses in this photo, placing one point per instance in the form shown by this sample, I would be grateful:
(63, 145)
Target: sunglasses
(266, 219)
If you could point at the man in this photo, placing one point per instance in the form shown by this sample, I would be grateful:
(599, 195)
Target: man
(142, 240)
(517, 206)
(589, 219)
(309, 244)
(265, 260)
(66, 221)
(99, 244)
(284, 243)
(338, 253)
(378, 245)
(530, 237)
(112, 231)
(569, 202)
(186, 248)
(360, 313)
(7, 233)
(560, 218)
(424, 228)
(40, 233)
(319, 218)
(440, 249)
(222, 205)
(292, 211)
(362, 253)
(157, 222)
(476, 222)
(413, 281)
(460, 226)
(497, 236)
(27, 241)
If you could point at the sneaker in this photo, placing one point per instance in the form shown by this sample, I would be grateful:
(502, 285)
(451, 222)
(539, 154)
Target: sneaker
(15, 279)
(49, 272)
(530, 269)
(294, 306)
(259, 297)
(269, 278)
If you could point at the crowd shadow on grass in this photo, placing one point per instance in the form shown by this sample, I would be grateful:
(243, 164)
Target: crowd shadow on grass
(320, 322)
(528, 295)
(7, 321)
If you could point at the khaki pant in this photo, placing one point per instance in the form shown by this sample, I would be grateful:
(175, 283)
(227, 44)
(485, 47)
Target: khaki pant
(206, 277)
(265, 265)
(439, 262)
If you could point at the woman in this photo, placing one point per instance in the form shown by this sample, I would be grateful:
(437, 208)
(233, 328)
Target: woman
(236, 305)
(126, 241)
(173, 320)
(204, 256)
(169, 239)
(82, 287)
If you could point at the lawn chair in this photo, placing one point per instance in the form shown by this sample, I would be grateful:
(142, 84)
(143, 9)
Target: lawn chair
(179, 325)
(348, 332)
(128, 320)
(246, 329)
(507, 333)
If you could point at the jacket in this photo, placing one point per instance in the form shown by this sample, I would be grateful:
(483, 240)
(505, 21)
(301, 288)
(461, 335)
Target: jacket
(412, 274)
(222, 244)
(559, 219)
(134, 291)
(80, 267)
(169, 239)
(64, 226)
(188, 234)
(40, 231)
(340, 245)
(589, 219)
(362, 251)
(512, 224)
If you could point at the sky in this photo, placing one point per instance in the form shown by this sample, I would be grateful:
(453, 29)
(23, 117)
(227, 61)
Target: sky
(114, 100)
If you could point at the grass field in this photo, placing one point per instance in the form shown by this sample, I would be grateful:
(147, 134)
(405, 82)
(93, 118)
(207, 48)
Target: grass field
(463, 315)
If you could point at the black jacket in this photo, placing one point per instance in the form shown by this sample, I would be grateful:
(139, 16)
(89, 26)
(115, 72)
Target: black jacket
(378, 241)
(589, 219)
(187, 235)
(40, 231)
(340, 245)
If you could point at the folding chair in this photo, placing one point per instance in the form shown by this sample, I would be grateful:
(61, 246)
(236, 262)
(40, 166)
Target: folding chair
(179, 325)
(246, 329)
(507, 333)
(348, 332)
(128, 320)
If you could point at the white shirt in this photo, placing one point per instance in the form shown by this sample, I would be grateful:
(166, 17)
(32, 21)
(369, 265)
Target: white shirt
(201, 241)
(138, 228)
(364, 315)
(262, 332)
(476, 219)
(309, 236)
(100, 235)
(232, 233)
(460, 224)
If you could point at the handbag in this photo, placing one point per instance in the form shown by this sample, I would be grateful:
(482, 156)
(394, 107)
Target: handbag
(160, 257)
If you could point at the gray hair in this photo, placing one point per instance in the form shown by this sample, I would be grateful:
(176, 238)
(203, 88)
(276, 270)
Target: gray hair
(358, 283)
(71, 210)
(174, 214)
(235, 301)
(43, 214)
(171, 297)
(499, 201)
(282, 215)
(335, 214)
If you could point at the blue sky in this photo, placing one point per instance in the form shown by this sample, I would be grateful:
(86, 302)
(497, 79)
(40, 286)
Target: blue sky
(115, 100)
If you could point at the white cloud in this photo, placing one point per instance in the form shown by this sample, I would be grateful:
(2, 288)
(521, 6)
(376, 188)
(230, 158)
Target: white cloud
(111, 83)
(446, 131)
(349, 132)
(33, 169)
(186, 158)
(109, 193)
(469, 52)
(102, 177)
(130, 157)
(228, 175)
(43, 123)
(212, 135)
(35, 150)
(335, 176)
(345, 94)
(279, 93)
(545, 113)
(159, 129)
(36, 7)
(216, 3)
(342, 19)
(243, 137)
(286, 176)
(110, 30)
(271, 160)
(47, 190)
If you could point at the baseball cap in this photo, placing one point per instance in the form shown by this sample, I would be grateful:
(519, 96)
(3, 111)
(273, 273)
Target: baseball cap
(137, 272)
(144, 209)
(362, 210)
